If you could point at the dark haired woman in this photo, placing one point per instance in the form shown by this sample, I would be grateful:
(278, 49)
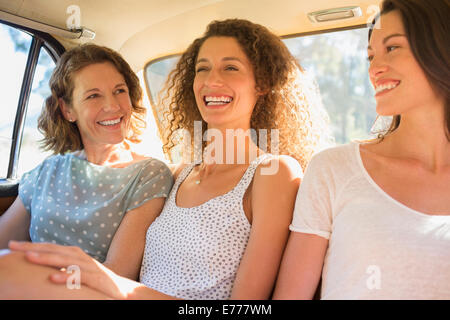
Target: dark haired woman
(95, 192)
(373, 219)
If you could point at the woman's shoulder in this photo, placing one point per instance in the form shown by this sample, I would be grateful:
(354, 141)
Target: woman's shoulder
(277, 178)
(49, 165)
(151, 168)
(278, 172)
(274, 165)
(336, 156)
(146, 161)
(333, 166)
(54, 161)
(177, 168)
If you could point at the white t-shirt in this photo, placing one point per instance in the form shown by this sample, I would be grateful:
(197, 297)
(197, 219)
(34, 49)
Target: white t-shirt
(378, 247)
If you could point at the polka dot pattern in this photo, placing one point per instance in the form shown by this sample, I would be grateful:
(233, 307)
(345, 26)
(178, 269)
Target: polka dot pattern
(194, 253)
(74, 202)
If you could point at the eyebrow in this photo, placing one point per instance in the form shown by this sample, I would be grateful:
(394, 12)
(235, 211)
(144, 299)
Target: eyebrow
(223, 59)
(93, 89)
(97, 89)
(389, 37)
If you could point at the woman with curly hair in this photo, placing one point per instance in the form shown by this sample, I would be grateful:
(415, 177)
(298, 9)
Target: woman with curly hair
(289, 102)
(224, 226)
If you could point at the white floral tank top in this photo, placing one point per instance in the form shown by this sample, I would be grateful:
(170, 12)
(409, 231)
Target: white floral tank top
(194, 253)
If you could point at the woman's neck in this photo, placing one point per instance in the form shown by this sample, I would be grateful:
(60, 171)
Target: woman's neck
(230, 147)
(421, 137)
(109, 155)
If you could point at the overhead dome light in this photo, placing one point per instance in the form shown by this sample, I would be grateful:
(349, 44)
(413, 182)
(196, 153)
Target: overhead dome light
(335, 14)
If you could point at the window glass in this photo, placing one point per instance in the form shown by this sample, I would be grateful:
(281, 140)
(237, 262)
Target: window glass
(30, 153)
(156, 74)
(15, 45)
(338, 63)
(151, 145)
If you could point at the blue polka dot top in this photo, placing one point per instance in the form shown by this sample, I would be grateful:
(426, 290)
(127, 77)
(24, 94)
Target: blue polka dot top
(74, 202)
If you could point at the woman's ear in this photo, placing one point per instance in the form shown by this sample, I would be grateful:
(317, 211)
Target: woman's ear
(66, 110)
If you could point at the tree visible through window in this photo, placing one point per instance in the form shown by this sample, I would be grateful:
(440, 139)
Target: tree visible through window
(338, 63)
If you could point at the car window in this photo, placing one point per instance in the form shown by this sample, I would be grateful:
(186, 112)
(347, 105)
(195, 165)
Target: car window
(337, 61)
(155, 75)
(30, 152)
(17, 46)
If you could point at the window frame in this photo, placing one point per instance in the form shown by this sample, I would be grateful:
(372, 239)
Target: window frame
(40, 41)
(312, 33)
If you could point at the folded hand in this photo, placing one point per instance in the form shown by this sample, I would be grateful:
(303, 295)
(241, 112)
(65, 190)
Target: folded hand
(92, 273)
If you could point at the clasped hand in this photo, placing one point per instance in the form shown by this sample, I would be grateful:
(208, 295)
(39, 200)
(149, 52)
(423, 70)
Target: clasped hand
(92, 273)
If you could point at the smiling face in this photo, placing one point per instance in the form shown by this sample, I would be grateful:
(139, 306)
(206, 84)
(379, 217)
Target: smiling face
(399, 81)
(224, 84)
(101, 105)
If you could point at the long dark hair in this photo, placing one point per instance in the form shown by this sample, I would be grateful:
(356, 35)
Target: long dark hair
(427, 29)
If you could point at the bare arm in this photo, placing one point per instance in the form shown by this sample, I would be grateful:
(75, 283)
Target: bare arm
(127, 247)
(20, 279)
(301, 268)
(14, 224)
(273, 198)
(26, 280)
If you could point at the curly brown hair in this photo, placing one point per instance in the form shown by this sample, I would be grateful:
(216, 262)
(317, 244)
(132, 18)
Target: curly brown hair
(290, 102)
(60, 135)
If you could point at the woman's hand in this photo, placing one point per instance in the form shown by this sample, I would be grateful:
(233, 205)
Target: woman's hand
(92, 273)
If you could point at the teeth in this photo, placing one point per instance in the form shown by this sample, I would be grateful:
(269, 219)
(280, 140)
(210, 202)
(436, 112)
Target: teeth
(215, 103)
(217, 100)
(109, 122)
(386, 86)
